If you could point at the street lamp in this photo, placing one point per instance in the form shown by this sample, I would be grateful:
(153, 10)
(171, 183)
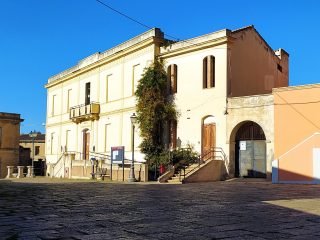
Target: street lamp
(133, 119)
(33, 134)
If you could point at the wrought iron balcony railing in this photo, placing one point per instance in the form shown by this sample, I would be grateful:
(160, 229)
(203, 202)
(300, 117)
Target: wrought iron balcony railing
(81, 113)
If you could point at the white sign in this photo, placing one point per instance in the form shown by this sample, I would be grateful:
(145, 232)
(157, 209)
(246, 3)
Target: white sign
(115, 154)
(243, 145)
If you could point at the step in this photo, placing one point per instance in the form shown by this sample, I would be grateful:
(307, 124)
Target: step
(175, 178)
(190, 169)
(194, 165)
(174, 181)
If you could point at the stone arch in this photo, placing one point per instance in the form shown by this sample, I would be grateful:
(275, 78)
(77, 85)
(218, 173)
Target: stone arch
(248, 150)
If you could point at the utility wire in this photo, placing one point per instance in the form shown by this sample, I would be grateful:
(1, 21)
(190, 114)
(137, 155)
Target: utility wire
(146, 26)
(124, 15)
(301, 114)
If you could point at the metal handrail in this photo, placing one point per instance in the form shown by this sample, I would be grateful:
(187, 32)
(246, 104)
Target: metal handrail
(184, 167)
(83, 105)
(100, 155)
(77, 153)
(211, 152)
(55, 164)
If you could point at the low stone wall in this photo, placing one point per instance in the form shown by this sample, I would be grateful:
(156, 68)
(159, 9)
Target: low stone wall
(212, 171)
(69, 168)
(166, 176)
(140, 172)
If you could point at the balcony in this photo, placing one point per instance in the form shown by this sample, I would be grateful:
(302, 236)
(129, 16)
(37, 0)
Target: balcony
(81, 113)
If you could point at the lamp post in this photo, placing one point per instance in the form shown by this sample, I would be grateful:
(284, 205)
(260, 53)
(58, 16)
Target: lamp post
(33, 134)
(133, 119)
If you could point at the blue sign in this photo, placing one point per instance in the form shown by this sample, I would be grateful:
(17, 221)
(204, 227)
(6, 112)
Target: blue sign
(117, 155)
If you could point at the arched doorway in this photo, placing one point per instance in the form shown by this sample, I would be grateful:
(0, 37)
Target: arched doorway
(208, 136)
(86, 144)
(250, 151)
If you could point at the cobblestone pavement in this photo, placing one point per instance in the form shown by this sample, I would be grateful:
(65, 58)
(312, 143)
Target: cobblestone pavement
(222, 210)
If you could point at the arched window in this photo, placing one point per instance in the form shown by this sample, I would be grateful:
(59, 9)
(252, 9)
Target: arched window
(172, 72)
(209, 72)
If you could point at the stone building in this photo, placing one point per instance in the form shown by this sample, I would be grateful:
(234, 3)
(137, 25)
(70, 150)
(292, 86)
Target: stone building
(9, 141)
(26, 152)
(216, 79)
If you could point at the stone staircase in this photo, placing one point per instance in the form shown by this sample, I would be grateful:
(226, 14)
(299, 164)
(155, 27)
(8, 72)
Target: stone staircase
(211, 166)
(177, 178)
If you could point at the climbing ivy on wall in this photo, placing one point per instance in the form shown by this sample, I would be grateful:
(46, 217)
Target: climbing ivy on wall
(155, 109)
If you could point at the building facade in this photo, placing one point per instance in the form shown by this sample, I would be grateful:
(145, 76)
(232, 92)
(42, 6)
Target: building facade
(30, 148)
(297, 134)
(9, 141)
(89, 106)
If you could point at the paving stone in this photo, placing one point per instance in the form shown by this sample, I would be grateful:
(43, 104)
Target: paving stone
(53, 209)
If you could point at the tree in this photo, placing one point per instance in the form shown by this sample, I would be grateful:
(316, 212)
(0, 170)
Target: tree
(155, 108)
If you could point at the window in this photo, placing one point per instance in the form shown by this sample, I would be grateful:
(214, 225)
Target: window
(172, 72)
(107, 87)
(87, 96)
(69, 100)
(136, 75)
(114, 88)
(209, 72)
(173, 134)
(54, 100)
(36, 150)
(67, 140)
(279, 67)
(52, 144)
(107, 146)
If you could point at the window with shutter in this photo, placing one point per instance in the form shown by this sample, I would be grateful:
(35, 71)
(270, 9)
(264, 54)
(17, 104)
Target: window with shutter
(208, 72)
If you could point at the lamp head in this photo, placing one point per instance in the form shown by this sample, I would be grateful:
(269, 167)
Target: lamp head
(133, 118)
(33, 134)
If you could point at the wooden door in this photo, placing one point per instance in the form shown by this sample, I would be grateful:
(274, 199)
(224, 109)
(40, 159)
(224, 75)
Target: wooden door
(208, 140)
(86, 145)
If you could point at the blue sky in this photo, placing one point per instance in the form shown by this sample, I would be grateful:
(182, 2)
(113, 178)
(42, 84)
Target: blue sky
(40, 38)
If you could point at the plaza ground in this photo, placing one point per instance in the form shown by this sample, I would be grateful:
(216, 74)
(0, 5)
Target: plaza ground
(44, 208)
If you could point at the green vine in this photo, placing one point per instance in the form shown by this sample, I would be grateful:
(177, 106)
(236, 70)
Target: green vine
(155, 108)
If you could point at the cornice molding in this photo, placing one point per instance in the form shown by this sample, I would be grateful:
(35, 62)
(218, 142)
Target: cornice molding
(196, 47)
(106, 60)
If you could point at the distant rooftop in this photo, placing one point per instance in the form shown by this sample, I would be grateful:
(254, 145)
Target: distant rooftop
(10, 116)
(26, 138)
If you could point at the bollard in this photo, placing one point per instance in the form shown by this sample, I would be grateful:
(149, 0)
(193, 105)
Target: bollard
(10, 172)
(20, 172)
(30, 172)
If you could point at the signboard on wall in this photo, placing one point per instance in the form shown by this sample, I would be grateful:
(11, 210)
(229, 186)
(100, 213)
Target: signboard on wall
(117, 155)
(243, 145)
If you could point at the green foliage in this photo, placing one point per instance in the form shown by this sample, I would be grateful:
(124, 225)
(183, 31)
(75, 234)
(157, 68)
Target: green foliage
(154, 108)
(185, 155)
(180, 155)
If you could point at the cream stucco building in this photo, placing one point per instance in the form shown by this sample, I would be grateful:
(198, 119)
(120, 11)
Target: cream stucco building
(213, 77)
